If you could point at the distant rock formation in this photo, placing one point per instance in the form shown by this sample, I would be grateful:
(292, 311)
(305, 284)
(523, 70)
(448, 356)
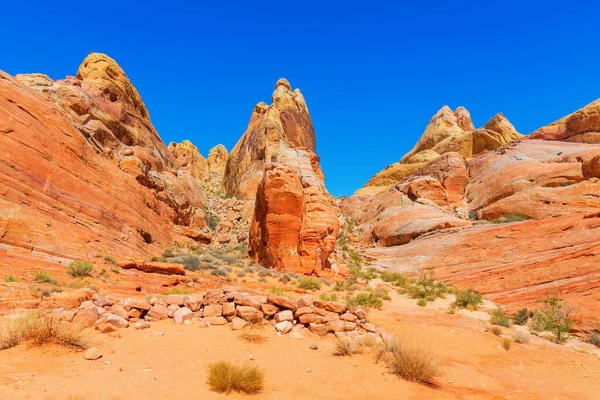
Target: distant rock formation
(188, 159)
(217, 159)
(448, 131)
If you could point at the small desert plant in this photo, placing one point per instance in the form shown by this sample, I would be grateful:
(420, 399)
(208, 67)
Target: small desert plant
(80, 269)
(393, 278)
(226, 377)
(422, 302)
(328, 296)
(366, 300)
(10, 278)
(410, 360)
(555, 317)
(218, 272)
(43, 277)
(382, 293)
(240, 274)
(345, 346)
(496, 330)
(594, 339)
(277, 291)
(522, 316)
(253, 337)
(285, 278)
(509, 217)
(40, 328)
(110, 259)
(507, 343)
(309, 284)
(521, 338)
(469, 299)
(176, 291)
(211, 219)
(499, 317)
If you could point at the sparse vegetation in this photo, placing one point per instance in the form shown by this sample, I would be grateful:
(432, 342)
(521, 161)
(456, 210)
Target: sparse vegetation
(328, 296)
(469, 299)
(509, 217)
(253, 337)
(521, 338)
(307, 283)
(277, 291)
(176, 291)
(499, 317)
(594, 338)
(422, 302)
(79, 269)
(218, 272)
(555, 317)
(40, 328)
(367, 300)
(507, 343)
(211, 219)
(345, 346)
(10, 278)
(496, 330)
(522, 316)
(42, 277)
(410, 360)
(226, 377)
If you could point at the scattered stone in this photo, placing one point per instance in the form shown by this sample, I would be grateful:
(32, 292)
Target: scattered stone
(285, 315)
(216, 320)
(249, 313)
(142, 325)
(332, 306)
(228, 309)
(134, 313)
(238, 323)
(269, 309)
(86, 317)
(281, 301)
(178, 299)
(140, 304)
(158, 312)
(304, 301)
(213, 310)
(193, 301)
(348, 317)
(93, 353)
(284, 327)
(116, 321)
(182, 315)
(314, 346)
(203, 324)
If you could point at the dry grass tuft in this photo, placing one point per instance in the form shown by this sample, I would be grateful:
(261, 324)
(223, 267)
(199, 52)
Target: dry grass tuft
(507, 344)
(40, 328)
(521, 338)
(253, 337)
(347, 347)
(410, 360)
(226, 377)
(496, 330)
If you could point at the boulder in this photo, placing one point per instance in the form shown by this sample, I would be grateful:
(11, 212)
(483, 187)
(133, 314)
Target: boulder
(182, 315)
(283, 327)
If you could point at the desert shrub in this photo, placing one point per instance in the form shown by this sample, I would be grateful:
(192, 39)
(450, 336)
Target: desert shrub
(43, 277)
(218, 272)
(328, 296)
(410, 360)
(496, 330)
(277, 291)
(509, 217)
(468, 299)
(594, 338)
(226, 377)
(40, 328)
(366, 300)
(393, 278)
(345, 346)
(325, 282)
(191, 263)
(211, 219)
(110, 259)
(10, 278)
(521, 338)
(249, 270)
(240, 274)
(422, 302)
(555, 317)
(499, 317)
(176, 291)
(253, 337)
(382, 293)
(507, 343)
(79, 269)
(309, 283)
(522, 316)
(285, 278)
(262, 280)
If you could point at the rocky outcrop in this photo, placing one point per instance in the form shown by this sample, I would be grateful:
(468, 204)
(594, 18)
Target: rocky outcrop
(294, 228)
(285, 123)
(582, 126)
(84, 171)
(188, 159)
(447, 132)
(217, 159)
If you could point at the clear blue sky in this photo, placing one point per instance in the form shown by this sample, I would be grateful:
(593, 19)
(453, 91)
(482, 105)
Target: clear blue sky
(373, 73)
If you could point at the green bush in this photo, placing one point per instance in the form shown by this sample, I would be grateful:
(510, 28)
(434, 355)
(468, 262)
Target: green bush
(369, 299)
(328, 297)
(393, 278)
(309, 284)
(43, 277)
(499, 317)
(211, 219)
(10, 278)
(218, 272)
(509, 217)
(422, 302)
(80, 269)
(522, 316)
(555, 317)
(468, 299)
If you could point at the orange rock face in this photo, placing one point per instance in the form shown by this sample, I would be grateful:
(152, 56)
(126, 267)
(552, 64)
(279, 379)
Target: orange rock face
(84, 172)
(582, 126)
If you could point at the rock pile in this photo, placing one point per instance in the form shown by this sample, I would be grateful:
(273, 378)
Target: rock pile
(230, 305)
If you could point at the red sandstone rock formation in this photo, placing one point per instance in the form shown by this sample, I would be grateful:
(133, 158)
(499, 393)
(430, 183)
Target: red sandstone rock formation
(83, 170)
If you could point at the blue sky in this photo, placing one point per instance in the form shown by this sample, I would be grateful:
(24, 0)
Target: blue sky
(373, 73)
